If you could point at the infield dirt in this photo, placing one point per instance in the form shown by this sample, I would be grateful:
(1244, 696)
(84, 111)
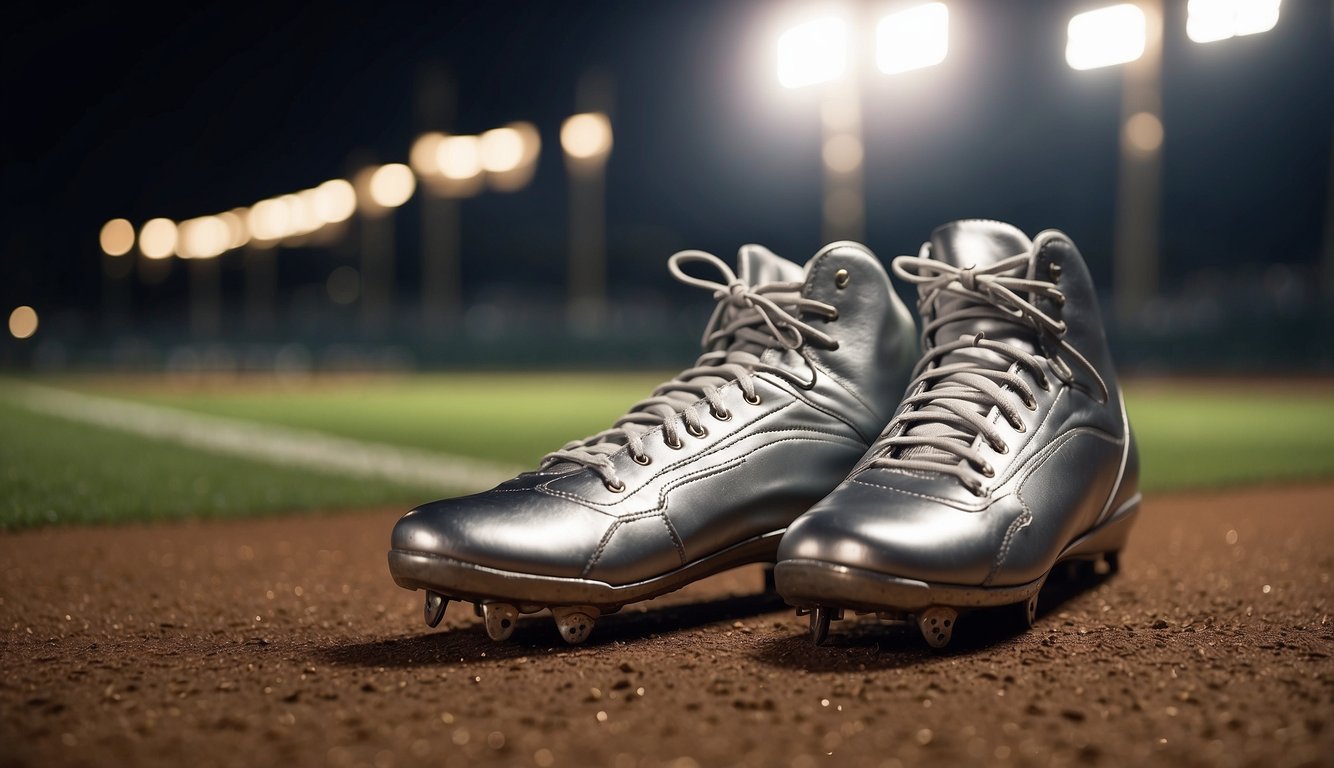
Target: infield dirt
(284, 641)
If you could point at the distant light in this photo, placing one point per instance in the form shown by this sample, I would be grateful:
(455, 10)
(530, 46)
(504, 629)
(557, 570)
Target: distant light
(157, 239)
(1143, 132)
(301, 207)
(521, 172)
(459, 157)
(586, 136)
(392, 185)
(501, 150)
(23, 322)
(912, 39)
(335, 201)
(842, 153)
(268, 220)
(117, 237)
(813, 52)
(343, 285)
(423, 154)
(238, 232)
(203, 238)
(1112, 35)
(1208, 21)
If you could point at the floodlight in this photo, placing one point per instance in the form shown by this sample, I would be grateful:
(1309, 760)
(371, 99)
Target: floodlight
(912, 39)
(117, 237)
(813, 52)
(1208, 21)
(157, 239)
(1106, 36)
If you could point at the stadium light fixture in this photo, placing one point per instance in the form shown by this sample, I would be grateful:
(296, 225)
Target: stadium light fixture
(422, 156)
(500, 150)
(116, 237)
(1209, 21)
(335, 201)
(268, 220)
(238, 233)
(202, 238)
(813, 52)
(23, 322)
(459, 158)
(912, 39)
(157, 238)
(1107, 36)
(586, 136)
(392, 185)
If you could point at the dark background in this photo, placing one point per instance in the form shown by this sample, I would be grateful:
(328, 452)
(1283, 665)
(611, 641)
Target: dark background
(180, 111)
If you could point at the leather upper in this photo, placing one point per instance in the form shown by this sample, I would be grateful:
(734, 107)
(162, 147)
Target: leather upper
(748, 475)
(1072, 465)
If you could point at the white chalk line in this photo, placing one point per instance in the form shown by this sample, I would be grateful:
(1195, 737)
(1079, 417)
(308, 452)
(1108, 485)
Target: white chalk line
(265, 442)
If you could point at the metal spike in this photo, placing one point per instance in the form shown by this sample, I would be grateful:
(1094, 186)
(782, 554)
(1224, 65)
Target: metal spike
(937, 625)
(434, 610)
(575, 622)
(500, 620)
(820, 617)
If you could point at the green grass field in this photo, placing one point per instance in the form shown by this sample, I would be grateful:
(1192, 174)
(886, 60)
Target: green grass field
(53, 470)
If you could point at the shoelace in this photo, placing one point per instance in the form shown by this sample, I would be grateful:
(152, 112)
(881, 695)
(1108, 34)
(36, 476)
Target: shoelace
(958, 396)
(760, 317)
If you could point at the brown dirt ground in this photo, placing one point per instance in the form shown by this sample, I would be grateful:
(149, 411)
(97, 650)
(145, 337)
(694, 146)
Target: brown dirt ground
(285, 642)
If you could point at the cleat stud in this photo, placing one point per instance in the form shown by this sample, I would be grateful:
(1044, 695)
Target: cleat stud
(1112, 562)
(575, 622)
(820, 617)
(434, 610)
(937, 625)
(500, 620)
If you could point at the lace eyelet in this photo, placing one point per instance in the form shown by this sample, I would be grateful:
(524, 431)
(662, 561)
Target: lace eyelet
(833, 318)
(723, 416)
(988, 470)
(1054, 270)
(675, 446)
(755, 401)
(1059, 298)
(701, 433)
(614, 488)
(1002, 449)
(841, 279)
(643, 460)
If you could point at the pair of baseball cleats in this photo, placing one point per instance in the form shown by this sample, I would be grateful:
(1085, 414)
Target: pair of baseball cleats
(914, 485)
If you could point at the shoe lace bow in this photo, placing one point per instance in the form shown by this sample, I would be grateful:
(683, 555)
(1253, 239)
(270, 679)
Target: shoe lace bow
(748, 320)
(941, 428)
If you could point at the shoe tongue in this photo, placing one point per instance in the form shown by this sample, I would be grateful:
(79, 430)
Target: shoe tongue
(977, 243)
(758, 265)
(963, 244)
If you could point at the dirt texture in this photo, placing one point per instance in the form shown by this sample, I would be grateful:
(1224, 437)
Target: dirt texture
(285, 642)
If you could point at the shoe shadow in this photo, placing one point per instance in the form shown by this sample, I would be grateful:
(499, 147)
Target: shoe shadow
(870, 644)
(537, 635)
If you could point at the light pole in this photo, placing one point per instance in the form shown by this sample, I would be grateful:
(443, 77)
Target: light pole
(117, 240)
(819, 53)
(587, 141)
(1132, 34)
(379, 191)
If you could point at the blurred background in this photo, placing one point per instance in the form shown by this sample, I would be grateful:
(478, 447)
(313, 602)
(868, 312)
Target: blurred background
(1189, 157)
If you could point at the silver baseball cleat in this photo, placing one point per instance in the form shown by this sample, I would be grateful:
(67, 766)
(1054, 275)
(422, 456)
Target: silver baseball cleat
(801, 369)
(1010, 453)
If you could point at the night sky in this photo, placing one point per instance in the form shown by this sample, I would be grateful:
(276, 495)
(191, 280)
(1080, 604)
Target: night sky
(197, 108)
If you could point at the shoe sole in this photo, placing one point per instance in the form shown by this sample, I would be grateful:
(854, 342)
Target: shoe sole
(826, 589)
(509, 593)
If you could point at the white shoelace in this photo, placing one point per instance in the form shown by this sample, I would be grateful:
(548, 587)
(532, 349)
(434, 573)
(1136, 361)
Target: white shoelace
(747, 321)
(938, 431)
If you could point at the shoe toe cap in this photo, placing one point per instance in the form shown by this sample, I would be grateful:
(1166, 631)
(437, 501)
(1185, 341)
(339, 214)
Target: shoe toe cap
(899, 537)
(525, 531)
